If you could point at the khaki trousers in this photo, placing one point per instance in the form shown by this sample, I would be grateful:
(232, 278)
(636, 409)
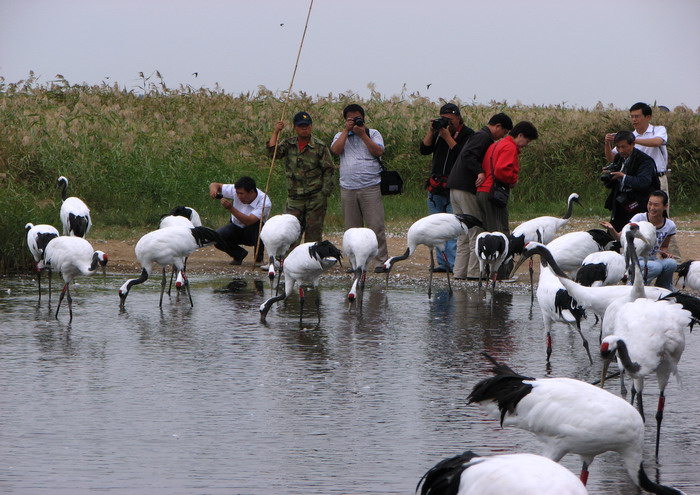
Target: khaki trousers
(466, 262)
(365, 208)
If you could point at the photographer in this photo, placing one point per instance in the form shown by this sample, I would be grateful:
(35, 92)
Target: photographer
(631, 178)
(359, 149)
(445, 138)
(247, 205)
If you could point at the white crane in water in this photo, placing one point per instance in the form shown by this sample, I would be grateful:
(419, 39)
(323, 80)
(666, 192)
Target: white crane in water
(491, 248)
(304, 266)
(38, 236)
(434, 231)
(568, 416)
(278, 234)
(360, 247)
(524, 474)
(73, 257)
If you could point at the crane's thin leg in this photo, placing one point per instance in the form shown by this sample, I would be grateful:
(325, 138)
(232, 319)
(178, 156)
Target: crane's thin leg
(318, 305)
(50, 277)
(584, 474)
(447, 271)
(70, 305)
(532, 273)
(187, 286)
(659, 419)
(170, 286)
(623, 389)
(38, 279)
(482, 274)
(60, 299)
(301, 303)
(279, 276)
(162, 289)
(549, 345)
(430, 281)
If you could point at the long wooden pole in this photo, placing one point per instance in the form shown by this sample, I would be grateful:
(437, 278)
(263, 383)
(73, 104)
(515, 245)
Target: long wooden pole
(284, 112)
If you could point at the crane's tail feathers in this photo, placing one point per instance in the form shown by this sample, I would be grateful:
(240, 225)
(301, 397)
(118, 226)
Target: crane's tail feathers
(689, 303)
(325, 249)
(446, 475)
(205, 235)
(469, 220)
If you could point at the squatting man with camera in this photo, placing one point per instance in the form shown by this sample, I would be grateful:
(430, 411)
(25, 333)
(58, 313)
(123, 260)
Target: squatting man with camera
(631, 177)
(444, 139)
(360, 148)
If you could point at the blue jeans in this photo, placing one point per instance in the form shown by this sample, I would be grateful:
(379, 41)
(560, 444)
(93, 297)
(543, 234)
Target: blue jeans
(441, 204)
(662, 270)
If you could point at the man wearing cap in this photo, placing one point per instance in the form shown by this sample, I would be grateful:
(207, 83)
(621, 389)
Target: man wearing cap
(309, 169)
(444, 139)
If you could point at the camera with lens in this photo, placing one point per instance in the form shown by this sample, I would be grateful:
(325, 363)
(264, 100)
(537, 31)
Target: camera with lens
(219, 196)
(440, 123)
(359, 121)
(606, 176)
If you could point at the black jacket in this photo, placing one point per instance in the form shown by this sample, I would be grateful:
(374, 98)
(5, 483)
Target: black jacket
(444, 157)
(641, 179)
(468, 163)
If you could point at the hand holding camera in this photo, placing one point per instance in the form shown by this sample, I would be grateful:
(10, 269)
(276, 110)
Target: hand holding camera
(439, 123)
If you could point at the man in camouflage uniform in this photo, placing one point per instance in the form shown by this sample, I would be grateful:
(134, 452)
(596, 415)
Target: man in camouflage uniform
(309, 169)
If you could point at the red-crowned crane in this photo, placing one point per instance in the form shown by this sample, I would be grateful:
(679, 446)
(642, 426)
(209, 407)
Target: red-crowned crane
(689, 274)
(167, 246)
(601, 268)
(180, 216)
(434, 231)
(540, 229)
(278, 234)
(568, 416)
(644, 240)
(304, 266)
(491, 248)
(38, 236)
(647, 337)
(509, 474)
(360, 247)
(72, 256)
(75, 215)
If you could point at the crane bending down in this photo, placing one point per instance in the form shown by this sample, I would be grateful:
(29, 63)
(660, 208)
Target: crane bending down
(434, 231)
(75, 215)
(568, 416)
(38, 237)
(304, 266)
(167, 246)
(72, 256)
(277, 235)
(524, 474)
(491, 248)
(360, 246)
(182, 216)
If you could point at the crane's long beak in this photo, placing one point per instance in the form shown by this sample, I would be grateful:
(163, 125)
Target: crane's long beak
(606, 363)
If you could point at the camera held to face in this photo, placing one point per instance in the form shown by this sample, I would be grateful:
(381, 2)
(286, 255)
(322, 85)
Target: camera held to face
(359, 121)
(440, 123)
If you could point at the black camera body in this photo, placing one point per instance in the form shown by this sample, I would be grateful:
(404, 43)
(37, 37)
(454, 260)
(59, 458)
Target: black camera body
(359, 121)
(440, 123)
(606, 176)
(219, 196)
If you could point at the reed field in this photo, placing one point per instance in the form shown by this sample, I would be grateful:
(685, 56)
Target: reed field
(133, 154)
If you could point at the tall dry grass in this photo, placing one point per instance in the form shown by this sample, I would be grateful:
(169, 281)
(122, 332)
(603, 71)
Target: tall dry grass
(132, 154)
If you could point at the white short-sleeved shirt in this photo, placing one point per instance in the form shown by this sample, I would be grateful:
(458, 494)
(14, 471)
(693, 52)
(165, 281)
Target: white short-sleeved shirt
(667, 229)
(658, 153)
(358, 167)
(255, 208)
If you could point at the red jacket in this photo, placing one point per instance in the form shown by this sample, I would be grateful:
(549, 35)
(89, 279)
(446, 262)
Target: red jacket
(505, 163)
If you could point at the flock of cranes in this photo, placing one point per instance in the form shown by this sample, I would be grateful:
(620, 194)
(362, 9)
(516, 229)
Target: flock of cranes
(642, 328)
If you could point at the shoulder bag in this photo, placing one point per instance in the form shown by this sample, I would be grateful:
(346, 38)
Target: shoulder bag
(500, 191)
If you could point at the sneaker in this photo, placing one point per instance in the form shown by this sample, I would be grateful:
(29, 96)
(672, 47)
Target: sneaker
(440, 269)
(379, 269)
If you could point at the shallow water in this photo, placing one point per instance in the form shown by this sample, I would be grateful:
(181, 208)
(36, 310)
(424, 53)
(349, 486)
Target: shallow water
(209, 400)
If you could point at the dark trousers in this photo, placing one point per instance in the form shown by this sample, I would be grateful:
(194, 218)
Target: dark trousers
(236, 236)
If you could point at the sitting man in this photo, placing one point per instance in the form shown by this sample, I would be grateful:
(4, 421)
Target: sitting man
(249, 205)
(661, 264)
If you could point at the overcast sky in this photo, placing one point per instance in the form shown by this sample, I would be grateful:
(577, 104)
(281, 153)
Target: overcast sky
(528, 51)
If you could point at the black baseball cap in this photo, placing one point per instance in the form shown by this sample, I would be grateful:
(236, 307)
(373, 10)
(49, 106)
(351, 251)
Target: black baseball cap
(302, 118)
(449, 108)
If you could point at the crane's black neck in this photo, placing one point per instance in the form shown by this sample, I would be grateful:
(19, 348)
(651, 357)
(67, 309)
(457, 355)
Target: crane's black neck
(569, 209)
(646, 484)
(624, 354)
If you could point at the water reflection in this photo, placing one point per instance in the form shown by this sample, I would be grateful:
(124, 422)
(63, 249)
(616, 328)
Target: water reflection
(206, 399)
